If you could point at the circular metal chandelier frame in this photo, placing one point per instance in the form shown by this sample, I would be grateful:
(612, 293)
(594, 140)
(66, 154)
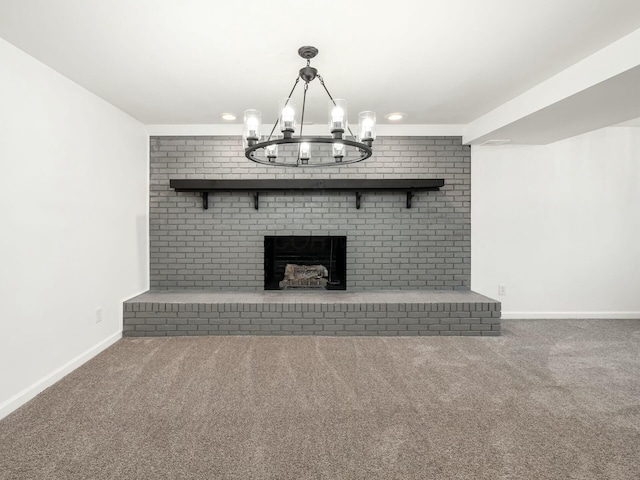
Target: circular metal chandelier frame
(365, 151)
(308, 74)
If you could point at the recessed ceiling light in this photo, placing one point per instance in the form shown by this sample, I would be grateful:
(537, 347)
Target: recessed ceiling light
(228, 116)
(395, 116)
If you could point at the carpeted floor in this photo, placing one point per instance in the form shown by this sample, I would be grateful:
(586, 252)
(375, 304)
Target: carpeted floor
(550, 399)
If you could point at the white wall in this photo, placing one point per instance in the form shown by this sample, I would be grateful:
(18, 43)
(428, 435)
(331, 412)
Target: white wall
(559, 225)
(73, 210)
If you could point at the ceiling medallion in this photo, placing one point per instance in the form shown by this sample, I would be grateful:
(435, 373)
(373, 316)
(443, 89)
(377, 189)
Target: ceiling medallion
(308, 151)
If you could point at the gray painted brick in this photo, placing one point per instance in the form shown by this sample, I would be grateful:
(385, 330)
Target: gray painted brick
(464, 326)
(480, 326)
(222, 248)
(145, 328)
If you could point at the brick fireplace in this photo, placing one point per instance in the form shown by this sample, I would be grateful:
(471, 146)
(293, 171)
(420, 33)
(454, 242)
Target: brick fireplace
(407, 270)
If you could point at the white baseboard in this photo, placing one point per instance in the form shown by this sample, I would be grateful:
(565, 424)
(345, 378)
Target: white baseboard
(28, 393)
(569, 315)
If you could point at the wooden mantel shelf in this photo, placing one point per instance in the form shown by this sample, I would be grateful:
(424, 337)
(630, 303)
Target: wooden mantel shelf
(205, 187)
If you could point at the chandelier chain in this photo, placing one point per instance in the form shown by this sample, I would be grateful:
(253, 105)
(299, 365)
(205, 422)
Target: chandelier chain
(304, 101)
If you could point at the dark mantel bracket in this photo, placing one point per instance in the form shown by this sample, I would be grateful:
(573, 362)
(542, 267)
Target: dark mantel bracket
(359, 186)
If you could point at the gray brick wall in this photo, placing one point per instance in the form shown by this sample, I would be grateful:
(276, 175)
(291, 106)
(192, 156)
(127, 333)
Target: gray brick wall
(388, 246)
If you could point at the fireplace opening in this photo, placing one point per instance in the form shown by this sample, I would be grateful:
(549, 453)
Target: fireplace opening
(305, 262)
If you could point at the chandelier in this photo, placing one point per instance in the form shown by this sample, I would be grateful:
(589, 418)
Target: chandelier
(309, 151)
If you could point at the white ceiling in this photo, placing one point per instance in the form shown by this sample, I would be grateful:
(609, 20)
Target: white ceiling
(599, 106)
(187, 61)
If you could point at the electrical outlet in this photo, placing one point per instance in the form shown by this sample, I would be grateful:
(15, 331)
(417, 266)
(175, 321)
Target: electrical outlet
(98, 314)
(502, 289)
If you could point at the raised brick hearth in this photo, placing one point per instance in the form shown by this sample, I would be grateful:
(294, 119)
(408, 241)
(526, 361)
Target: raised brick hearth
(164, 313)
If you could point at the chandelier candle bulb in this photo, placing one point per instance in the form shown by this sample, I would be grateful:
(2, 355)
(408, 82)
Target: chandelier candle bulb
(367, 126)
(287, 117)
(338, 151)
(271, 152)
(337, 117)
(252, 126)
(252, 121)
(305, 152)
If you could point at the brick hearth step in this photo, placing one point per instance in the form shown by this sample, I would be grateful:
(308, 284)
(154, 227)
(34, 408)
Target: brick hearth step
(402, 312)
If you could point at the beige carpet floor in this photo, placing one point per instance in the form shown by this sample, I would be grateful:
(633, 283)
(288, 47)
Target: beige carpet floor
(548, 400)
